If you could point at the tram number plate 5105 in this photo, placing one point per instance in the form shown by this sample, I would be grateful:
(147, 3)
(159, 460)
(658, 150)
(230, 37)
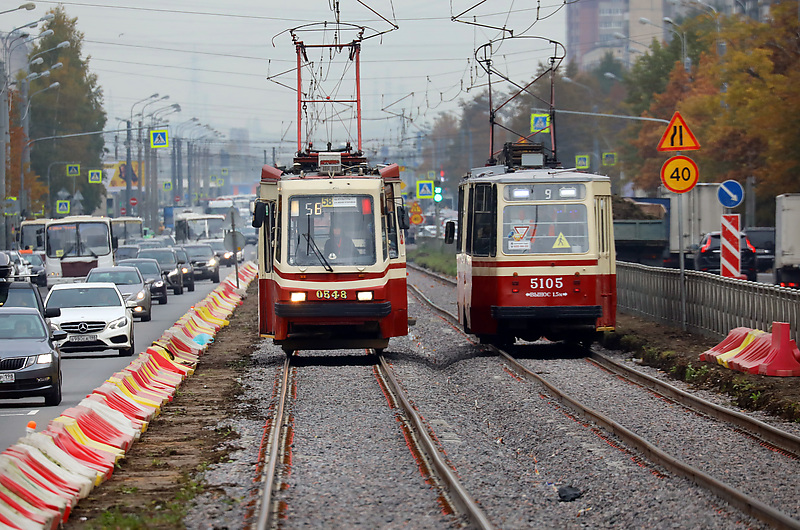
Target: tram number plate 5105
(331, 295)
(547, 283)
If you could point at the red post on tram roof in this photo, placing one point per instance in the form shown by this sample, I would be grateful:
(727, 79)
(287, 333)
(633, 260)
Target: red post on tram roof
(299, 49)
(358, 91)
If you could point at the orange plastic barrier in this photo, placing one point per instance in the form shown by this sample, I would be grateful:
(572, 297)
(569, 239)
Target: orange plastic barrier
(757, 352)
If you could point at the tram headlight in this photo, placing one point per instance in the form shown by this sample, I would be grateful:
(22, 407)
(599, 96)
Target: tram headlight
(568, 192)
(298, 297)
(365, 296)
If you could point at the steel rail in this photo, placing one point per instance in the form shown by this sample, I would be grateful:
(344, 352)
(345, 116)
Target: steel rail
(266, 513)
(458, 495)
(733, 496)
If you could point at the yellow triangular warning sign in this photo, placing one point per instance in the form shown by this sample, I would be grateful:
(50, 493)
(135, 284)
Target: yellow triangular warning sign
(678, 136)
(561, 241)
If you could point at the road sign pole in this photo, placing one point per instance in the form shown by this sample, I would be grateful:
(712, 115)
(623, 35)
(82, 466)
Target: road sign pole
(681, 261)
(235, 257)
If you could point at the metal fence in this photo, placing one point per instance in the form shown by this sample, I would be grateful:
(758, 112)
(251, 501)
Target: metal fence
(714, 305)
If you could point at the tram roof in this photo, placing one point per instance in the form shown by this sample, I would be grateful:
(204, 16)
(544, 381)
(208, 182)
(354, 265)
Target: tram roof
(502, 175)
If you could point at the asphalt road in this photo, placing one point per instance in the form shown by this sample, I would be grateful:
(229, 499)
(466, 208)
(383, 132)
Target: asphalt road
(82, 372)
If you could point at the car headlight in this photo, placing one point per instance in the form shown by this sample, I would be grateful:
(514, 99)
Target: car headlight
(118, 323)
(228, 255)
(140, 295)
(45, 358)
(185, 270)
(212, 262)
(158, 283)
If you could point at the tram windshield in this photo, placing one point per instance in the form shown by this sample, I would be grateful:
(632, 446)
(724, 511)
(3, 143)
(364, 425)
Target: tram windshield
(78, 239)
(330, 230)
(545, 229)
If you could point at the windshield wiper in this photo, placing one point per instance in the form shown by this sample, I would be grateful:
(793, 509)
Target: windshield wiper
(313, 246)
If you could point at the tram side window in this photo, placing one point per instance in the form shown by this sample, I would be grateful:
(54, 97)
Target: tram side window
(484, 226)
(545, 229)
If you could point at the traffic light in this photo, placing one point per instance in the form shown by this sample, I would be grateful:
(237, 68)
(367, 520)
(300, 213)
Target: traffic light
(437, 194)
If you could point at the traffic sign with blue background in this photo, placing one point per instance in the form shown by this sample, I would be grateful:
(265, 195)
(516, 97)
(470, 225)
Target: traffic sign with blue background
(168, 186)
(582, 161)
(425, 189)
(62, 207)
(609, 159)
(159, 138)
(73, 170)
(95, 176)
(540, 123)
(730, 194)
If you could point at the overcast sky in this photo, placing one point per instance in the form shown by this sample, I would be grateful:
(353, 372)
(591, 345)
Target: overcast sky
(214, 61)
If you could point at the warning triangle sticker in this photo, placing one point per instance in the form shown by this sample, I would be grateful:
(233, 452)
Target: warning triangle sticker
(561, 241)
(678, 136)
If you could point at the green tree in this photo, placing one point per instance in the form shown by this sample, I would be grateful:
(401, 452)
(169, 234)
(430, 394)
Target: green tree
(74, 107)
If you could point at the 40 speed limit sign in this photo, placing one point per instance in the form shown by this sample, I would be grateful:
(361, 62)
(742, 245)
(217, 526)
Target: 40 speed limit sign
(679, 174)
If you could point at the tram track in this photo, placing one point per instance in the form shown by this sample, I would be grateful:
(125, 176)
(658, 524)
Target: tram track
(768, 436)
(453, 497)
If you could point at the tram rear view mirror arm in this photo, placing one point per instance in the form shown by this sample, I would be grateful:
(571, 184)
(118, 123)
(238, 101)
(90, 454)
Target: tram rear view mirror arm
(450, 232)
(259, 214)
(403, 220)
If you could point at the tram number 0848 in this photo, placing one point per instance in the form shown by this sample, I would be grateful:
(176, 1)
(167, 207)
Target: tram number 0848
(547, 283)
(331, 295)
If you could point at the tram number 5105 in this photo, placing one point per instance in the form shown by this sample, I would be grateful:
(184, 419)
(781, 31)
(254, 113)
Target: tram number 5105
(547, 283)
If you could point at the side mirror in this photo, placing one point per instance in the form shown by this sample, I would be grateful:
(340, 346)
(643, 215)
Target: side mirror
(52, 312)
(60, 335)
(114, 242)
(449, 232)
(403, 221)
(259, 214)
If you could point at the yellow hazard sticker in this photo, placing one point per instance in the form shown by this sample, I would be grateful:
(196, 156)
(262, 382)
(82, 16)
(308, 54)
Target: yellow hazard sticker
(59, 252)
(561, 241)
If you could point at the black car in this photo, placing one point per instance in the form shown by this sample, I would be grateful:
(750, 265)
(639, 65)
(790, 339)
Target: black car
(170, 266)
(763, 238)
(30, 362)
(186, 268)
(225, 256)
(24, 294)
(151, 273)
(706, 256)
(39, 276)
(204, 261)
(125, 252)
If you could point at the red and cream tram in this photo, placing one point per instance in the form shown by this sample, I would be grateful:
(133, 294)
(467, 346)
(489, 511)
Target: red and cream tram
(535, 252)
(332, 268)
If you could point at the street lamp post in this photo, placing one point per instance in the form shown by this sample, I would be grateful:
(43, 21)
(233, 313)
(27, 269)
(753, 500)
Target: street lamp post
(178, 153)
(27, 6)
(151, 186)
(22, 192)
(675, 29)
(128, 159)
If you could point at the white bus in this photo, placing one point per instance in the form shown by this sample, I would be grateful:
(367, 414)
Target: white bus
(191, 227)
(31, 234)
(127, 229)
(74, 246)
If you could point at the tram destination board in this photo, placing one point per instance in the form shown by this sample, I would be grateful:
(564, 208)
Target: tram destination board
(545, 192)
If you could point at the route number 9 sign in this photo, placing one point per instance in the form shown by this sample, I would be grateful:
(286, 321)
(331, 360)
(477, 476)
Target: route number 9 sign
(679, 174)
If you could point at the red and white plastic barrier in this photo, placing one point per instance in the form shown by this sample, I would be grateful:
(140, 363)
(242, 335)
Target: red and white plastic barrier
(44, 474)
(758, 352)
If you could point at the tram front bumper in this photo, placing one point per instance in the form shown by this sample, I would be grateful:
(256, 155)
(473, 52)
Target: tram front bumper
(343, 310)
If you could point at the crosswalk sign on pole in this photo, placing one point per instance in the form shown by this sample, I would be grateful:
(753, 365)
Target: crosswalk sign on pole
(540, 123)
(73, 170)
(609, 159)
(62, 207)
(224, 171)
(159, 138)
(424, 189)
(95, 176)
(168, 186)
(582, 161)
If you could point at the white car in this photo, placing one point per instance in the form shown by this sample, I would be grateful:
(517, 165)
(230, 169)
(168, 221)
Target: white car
(95, 315)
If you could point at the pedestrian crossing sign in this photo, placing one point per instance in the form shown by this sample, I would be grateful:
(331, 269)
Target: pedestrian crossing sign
(424, 189)
(168, 186)
(609, 159)
(582, 161)
(95, 176)
(224, 171)
(540, 123)
(159, 138)
(220, 182)
(62, 207)
(73, 170)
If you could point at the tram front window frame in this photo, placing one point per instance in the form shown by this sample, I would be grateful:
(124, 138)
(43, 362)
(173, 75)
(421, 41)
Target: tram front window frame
(313, 220)
(551, 228)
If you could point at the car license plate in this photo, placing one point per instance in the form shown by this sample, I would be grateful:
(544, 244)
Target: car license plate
(82, 338)
(6, 378)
